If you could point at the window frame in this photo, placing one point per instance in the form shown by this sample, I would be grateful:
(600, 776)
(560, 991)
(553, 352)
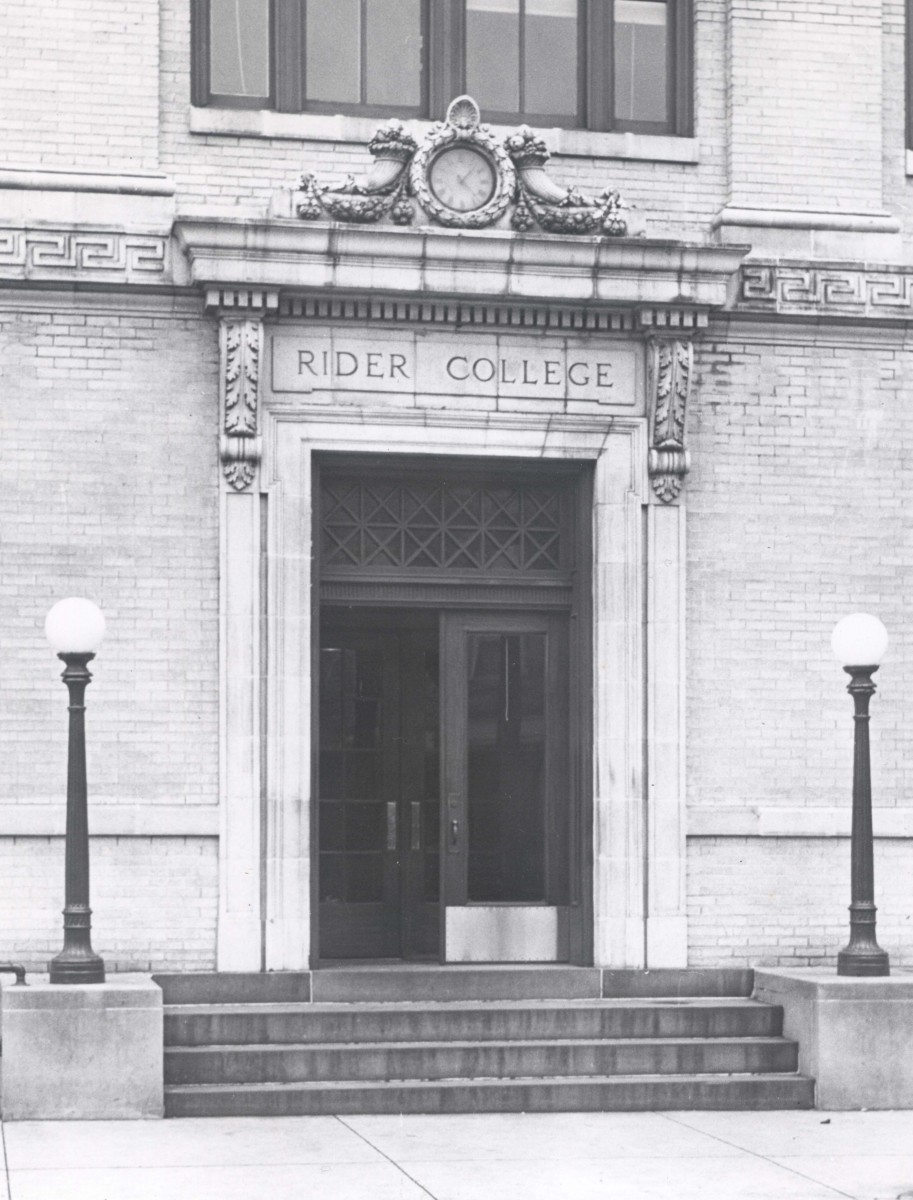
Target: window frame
(444, 74)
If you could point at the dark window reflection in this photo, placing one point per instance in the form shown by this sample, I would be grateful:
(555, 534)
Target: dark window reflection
(506, 767)
(352, 812)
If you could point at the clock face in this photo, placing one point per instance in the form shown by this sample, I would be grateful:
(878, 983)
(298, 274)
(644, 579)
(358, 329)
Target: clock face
(462, 178)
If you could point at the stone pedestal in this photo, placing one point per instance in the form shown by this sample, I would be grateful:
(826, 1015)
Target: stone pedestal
(853, 1033)
(82, 1051)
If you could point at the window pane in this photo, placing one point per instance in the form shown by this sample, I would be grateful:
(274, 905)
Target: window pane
(239, 47)
(493, 54)
(394, 52)
(333, 35)
(640, 60)
(550, 57)
(506, 767)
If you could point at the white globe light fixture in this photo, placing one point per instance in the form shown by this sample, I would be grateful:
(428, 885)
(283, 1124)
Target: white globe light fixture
(859, 642)
(75, 628)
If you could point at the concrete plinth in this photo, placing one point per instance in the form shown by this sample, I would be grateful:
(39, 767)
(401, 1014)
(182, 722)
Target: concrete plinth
(82, 1051)
(853, 1034)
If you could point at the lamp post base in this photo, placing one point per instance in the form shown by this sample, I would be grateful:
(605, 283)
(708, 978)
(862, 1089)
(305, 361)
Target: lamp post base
(861, 962)
(70, 969)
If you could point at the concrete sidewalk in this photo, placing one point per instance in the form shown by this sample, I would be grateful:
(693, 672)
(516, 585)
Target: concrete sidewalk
(577, 1156)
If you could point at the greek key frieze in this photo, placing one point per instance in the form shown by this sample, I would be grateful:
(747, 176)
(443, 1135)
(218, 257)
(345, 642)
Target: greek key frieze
(783, 289)
(27, 253)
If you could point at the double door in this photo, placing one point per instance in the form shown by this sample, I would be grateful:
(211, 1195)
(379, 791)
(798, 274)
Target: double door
(443, 773)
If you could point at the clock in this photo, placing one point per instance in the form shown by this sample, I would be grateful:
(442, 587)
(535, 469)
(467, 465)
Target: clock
(462, 178)
(461, 174)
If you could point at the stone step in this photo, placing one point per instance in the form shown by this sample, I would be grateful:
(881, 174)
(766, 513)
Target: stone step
(667, 981)
(455, 982)
(234, 987)
(569, 1094)
(472, 1060)
(198, 1025)
(404, 982)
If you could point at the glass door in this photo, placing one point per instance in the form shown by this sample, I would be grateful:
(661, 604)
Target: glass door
(508, 806)
(378, 786)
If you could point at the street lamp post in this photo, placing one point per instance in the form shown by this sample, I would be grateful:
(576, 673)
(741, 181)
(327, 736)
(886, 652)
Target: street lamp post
(75, 628)
(859, 642)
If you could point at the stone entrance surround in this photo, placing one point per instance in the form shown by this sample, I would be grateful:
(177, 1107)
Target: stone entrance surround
(346, 339)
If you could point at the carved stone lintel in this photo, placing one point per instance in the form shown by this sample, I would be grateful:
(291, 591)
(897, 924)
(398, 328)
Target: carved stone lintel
(671, 362)
(240, 346)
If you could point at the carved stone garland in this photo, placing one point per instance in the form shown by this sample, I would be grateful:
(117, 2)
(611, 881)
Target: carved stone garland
(241, 340)
(671, 363)
(401, 167)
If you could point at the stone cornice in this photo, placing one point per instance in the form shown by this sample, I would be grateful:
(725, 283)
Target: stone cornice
(651, 277)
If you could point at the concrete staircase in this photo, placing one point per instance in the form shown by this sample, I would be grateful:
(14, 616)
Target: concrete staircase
(473, 1039)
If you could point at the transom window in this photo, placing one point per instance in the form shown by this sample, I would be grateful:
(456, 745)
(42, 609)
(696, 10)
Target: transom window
(592, 64)
(442, 525)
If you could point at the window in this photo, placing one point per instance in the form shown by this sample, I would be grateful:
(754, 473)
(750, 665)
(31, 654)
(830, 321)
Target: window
(590, 64)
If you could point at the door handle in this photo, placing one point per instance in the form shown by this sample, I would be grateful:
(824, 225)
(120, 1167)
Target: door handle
(391, 825)
(453, 837)
(416, 829)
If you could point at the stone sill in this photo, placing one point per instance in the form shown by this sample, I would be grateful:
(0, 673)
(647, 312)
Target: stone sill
(41, 179)
(755, 820)
(315, 127)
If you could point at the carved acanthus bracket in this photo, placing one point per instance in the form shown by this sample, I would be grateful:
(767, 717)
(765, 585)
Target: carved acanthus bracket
(241, 341)
(404, 170)
(671, 363)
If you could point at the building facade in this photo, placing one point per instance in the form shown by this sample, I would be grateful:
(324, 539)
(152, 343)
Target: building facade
(470, 532)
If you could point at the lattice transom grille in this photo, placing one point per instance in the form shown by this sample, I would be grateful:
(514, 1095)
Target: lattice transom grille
(442, 526)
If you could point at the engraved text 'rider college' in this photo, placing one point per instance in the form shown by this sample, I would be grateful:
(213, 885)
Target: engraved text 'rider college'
(487, 365)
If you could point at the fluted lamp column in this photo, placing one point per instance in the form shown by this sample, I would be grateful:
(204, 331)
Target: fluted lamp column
(75, 628)
(859, 642)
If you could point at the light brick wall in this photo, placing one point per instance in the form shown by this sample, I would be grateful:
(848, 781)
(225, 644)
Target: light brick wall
(110, 490)
(154, 901)
(796, 516)
(805, 104)
(79, 84)
(767, 902)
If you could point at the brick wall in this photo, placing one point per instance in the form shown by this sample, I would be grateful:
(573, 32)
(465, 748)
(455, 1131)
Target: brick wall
(783, 901)
(796, 516)
(805, 104)
(79, 84)
(110, 491)
(154, 901)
